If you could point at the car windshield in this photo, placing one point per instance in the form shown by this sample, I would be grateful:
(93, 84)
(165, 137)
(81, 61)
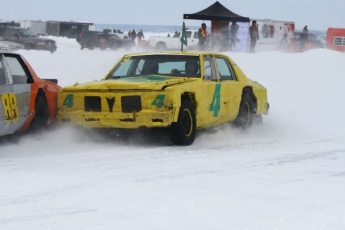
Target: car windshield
(26, 33)
(167, 65)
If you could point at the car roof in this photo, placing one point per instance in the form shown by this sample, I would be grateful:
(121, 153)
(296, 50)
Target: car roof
(187, 53)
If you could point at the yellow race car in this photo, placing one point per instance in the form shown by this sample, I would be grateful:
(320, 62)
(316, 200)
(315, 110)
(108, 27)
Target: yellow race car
(178, 91)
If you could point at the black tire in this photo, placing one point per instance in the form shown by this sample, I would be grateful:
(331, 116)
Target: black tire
(91, 45)
(245, 115)
(183, 131)
(41, 119)
(161, 46)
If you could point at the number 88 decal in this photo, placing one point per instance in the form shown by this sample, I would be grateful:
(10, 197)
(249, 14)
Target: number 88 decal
(9, 102)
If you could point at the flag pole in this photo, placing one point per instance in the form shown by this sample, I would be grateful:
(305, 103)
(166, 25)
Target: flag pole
(183, 38)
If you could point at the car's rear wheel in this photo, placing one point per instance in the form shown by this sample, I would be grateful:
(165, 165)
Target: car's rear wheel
(245, 115)
(183, 131)
(41, 118)
(91, 45)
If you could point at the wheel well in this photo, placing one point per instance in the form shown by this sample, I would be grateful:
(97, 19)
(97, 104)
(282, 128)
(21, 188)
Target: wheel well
(40, 93)
(188, 96)
(249, 90)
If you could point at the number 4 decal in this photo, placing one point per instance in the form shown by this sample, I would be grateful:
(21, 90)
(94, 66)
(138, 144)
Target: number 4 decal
(68, 101)
(215, 104)
(158, 101)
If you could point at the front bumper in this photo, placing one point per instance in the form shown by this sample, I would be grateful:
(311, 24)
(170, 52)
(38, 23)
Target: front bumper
(144, 118)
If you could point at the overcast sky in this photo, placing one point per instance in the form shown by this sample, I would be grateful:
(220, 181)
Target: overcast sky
(315, 13)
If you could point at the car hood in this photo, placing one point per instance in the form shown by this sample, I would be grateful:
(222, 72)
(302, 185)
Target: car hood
(149, 82)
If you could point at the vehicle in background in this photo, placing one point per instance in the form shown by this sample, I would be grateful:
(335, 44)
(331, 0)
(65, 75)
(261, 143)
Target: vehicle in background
(160, 43)
(9, 46)
(27, 38)
(336, 39)
(176, 92)
(311, 41)
(28, 103)
(97, 39)
(88, 39)
(114, 42)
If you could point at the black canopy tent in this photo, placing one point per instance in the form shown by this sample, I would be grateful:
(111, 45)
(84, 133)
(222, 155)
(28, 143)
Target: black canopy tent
(220, 18)
(216, 12)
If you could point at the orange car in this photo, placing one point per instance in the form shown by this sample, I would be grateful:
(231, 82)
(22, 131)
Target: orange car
(27, 102)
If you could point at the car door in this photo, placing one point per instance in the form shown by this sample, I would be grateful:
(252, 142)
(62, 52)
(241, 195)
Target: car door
(209, 104)
(13, 35)
(231, 90)
(15, 94)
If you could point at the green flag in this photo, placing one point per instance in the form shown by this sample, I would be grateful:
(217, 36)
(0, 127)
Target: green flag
(184, 36)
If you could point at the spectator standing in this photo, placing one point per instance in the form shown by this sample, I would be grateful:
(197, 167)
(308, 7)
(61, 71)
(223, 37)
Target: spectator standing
(140, 35)
(134, 35)
(129, 35)
(202, 36)
(254, 36)
(233, 35)
(176, 35)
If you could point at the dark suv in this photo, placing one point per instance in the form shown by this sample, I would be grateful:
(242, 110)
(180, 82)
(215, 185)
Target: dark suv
(88, 39)
(92, 39)
(309, 38)
(27, 38)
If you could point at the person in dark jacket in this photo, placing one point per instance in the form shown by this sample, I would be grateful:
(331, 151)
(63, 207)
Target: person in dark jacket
(254, 36)
(134, 35)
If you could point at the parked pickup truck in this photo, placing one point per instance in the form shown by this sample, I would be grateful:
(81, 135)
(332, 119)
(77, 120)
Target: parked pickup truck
(173, 43)
(118, 32)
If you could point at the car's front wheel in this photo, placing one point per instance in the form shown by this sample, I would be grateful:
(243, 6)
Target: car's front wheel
(183, 131)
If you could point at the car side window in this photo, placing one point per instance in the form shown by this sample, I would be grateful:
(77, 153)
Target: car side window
(2, 31)
(19, 73)
(188, 34)
(2, 74)
(225, 70)
(12, 32)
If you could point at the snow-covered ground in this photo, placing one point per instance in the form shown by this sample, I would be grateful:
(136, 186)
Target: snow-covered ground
(288, 173)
